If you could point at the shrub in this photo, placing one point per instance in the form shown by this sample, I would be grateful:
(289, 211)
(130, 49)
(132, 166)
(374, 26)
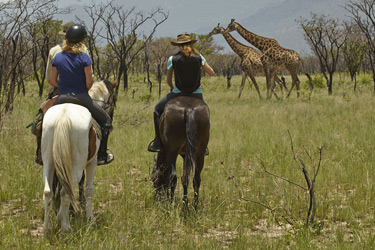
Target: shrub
(366, 79)
(318, 81)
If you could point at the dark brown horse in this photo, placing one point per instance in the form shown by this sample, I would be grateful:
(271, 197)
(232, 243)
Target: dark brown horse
(184, 130)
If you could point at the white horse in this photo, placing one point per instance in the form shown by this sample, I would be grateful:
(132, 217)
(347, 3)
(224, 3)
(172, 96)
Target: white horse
(65, 149)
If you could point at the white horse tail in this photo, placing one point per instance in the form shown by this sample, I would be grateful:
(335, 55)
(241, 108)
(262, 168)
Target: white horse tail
(62, 156)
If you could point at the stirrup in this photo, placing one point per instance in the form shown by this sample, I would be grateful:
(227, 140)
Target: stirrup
(108, 159)
(153, 147)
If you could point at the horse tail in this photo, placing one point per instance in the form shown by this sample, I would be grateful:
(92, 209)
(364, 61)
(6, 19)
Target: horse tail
(62, 156)
(191, 139)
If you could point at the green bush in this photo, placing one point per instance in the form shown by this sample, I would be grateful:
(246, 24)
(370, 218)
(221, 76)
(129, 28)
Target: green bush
(366, 79)
(318, 81)
(145, 98)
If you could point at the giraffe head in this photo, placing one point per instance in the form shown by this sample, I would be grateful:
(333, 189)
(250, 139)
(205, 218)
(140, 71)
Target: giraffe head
(217, 30)
(231, 26)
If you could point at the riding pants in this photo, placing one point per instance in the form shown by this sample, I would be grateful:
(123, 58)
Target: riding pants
(85, 100)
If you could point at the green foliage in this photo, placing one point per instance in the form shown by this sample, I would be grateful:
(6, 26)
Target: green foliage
(145, 98)
(33, 77)
(366, 79)
(354, 51)
(318, 81)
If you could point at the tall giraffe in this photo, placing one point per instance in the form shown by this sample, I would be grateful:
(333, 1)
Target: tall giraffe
(279, 57)
(251, 63)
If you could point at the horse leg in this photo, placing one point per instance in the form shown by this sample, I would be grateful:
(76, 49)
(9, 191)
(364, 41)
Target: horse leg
(63, 215)
(185, 183)
(173, 180)
(48, 173)
(171, 163)
(90, 172)
(81, 198)
(197, 178)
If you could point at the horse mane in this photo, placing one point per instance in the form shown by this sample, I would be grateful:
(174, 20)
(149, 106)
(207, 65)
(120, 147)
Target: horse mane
(99, 91)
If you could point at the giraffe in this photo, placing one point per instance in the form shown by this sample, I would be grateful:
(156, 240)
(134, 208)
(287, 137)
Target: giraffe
(251, 63)
(279, 57)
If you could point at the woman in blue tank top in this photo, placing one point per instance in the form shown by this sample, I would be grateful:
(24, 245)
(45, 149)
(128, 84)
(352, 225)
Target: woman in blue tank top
(73, 67)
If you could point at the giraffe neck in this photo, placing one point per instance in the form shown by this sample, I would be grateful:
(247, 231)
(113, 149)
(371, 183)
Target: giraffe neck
(236, 46)
(258, 41)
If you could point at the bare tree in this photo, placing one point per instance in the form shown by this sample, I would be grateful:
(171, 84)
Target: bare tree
(363, 14)
(326, 36)
(229, 65)
(354, 50)
(159, 50)
(95, 12)
(125, 33)
(43, 34)
(15, 46)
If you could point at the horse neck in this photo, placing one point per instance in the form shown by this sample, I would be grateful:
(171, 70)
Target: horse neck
(99, 92)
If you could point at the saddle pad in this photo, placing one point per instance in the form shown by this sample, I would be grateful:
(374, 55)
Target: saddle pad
(97, 128)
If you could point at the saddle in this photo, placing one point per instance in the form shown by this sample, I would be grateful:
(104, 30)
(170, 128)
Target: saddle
(36, 126)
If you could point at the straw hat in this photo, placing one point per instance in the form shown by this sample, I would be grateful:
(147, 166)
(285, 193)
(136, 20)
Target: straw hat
(183, 39)
(65, 27)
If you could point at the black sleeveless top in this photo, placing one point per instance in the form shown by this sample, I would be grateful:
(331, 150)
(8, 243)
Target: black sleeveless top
(187, 72)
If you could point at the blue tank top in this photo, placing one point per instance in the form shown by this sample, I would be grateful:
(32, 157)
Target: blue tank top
(71, 72)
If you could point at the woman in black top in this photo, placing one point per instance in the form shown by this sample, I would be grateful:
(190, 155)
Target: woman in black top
(186, 66)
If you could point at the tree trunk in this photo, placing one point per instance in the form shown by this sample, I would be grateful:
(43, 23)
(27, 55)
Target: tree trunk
(229, 77)
(330, 84)
(126, 86)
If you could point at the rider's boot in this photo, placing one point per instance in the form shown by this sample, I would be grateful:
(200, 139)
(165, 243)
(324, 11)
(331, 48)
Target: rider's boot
(103, 156)
(156, 144)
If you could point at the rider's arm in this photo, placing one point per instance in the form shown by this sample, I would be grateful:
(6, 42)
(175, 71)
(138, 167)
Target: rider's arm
(169, 78)
(53, 79)
(208, 69)
(88, 74)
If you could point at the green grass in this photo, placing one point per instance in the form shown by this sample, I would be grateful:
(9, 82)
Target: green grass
(245, 134)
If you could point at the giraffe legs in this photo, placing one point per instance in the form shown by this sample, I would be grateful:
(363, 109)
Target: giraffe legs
(252, 77)
(281, 83)
(270, 78)
(295, 82)
(242, 83)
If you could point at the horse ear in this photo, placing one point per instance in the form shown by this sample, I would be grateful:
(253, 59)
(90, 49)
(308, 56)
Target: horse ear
(114, 83)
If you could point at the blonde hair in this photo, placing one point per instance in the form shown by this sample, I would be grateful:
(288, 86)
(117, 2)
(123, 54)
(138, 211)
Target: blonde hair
(72, 47)
(188, 50)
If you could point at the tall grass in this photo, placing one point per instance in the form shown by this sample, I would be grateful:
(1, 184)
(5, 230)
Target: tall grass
(246, 134)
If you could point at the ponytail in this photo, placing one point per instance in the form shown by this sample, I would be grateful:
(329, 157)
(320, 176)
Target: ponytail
(188, 50)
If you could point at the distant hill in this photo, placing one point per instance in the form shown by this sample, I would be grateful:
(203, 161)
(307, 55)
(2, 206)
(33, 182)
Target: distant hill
(269, 18)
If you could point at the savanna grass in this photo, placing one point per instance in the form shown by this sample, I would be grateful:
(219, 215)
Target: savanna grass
(247, 134)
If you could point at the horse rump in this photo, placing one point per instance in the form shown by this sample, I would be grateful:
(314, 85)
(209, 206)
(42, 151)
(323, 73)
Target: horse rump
(184, 130)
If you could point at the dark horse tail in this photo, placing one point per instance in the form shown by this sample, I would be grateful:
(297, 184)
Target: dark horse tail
(191, 138)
